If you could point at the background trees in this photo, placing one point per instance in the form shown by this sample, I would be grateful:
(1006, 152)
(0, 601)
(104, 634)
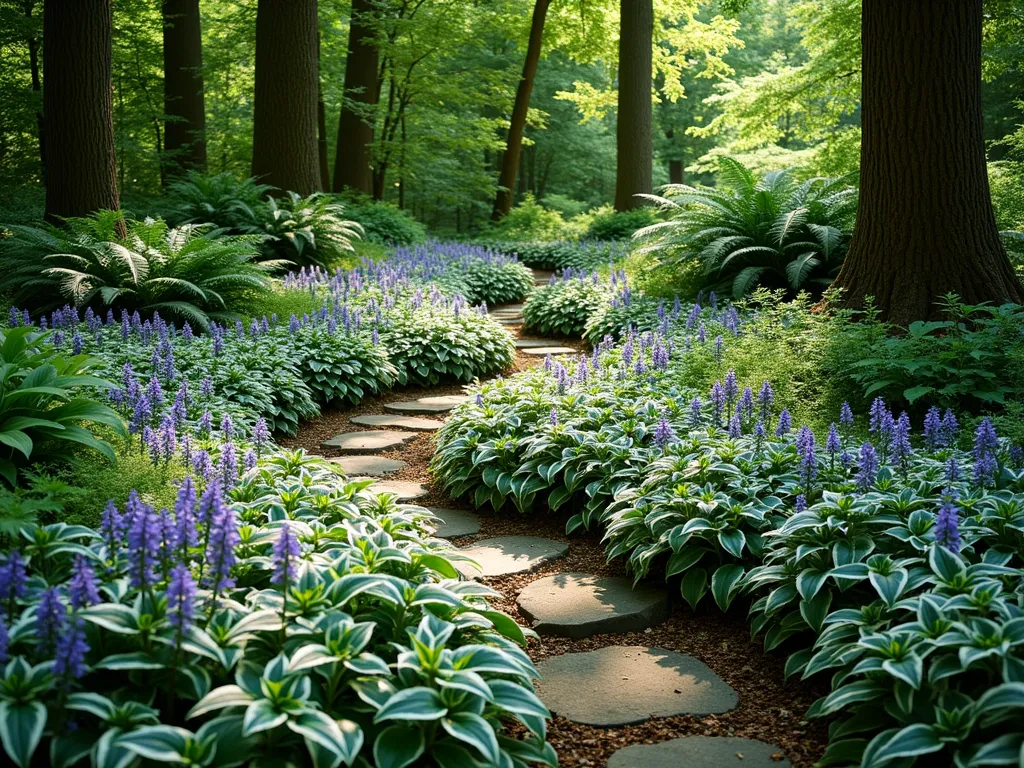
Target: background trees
(184, 102)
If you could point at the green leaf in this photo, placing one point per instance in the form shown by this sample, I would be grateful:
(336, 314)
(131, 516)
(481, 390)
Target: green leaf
(342, 737)
(517, 698)
(694, 585)
(164, 743)
(262, 715)
(416, 703)
(914, 740)
(398, 746)
(815, 610)
(21, 728)
(475, 731)
(723, 583)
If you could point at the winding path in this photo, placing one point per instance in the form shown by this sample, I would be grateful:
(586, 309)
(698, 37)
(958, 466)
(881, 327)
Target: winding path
(632, 678)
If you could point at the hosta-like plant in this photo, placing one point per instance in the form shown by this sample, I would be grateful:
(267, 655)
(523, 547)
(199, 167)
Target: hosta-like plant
(191, 272)
(773, 231)
(497, 281)
(298, 618)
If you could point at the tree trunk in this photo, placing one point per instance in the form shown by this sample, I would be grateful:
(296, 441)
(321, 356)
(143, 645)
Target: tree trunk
(352, 162)
(184, 104)
(77, 105)
(321, 142)
(284, 144)
(634, 140)
(675, 164)
(925, 226)
(37, 90)
(510, 159)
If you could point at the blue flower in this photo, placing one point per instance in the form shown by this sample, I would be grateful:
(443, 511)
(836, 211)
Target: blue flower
(933, 434)
(986, 447)
(868, 467)
(846, 417)
(144, 541)
(13, 577)
(50, 615)
(718, 398)
(286, 551)
(186, 533)
(4, 637)
(696, 412)
(260, 433)
(785, 423)
(832, 443)
(220, 549)
(808, 459)
(735, 425)
(947, 524)
(901, 448)
(553, 418)
(799, 504)
(663, 433)
(746, 404)
(82, 587)
(228, 468)
(70, 649)
(766, 397)
(181, 593)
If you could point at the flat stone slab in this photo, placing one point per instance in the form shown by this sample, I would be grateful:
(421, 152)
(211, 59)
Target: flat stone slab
(403, 489)
(622, 685)
(427, 405)
(452, 523)
(372, 466)
(700, 752)
(412, 423)
(532, 343)
(543, 351)
(510, 554)
(369, 442)
(581, 605)
(510, 320)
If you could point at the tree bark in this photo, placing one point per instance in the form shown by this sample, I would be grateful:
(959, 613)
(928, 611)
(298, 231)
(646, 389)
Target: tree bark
(284, 145)
(352, 162)
(184, 103)
(77, 106)
(37, 90)
(925, 225)
(675, 164)
(513, 148)
(633, 132)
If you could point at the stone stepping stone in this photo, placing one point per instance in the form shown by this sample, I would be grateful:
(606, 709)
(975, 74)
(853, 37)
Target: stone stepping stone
(532, 343)
(372, 466)
(452, 523)
(700, 752)
(581, 605)
(507, 308)
(544, 351)
(412, 423)
(503, 555)
(369, 442)
(510, 320)
(427, 406)
(403, 489)
(622, 685)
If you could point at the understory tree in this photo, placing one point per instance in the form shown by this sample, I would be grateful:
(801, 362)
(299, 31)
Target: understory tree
(925, 226)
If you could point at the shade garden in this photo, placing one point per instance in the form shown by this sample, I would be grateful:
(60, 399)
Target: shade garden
(512, 384)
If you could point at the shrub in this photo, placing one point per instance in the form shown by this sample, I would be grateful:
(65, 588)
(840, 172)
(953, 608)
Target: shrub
(771, 231)
(497, 281)
(528, 221)
(662, 279)
(564, 254)
(624, 311)
(46, 407)
(221, 199)
(384, 223)
(619, 225)
(563, 306)
(188, 272)
(304, 619)
(441, 340)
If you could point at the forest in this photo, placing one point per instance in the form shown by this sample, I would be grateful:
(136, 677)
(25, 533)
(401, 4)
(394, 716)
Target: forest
(511, 383)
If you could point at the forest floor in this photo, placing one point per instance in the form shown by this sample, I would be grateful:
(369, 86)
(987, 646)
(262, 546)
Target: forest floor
(770, 707)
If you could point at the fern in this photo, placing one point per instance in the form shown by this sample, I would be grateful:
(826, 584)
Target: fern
(749, 231)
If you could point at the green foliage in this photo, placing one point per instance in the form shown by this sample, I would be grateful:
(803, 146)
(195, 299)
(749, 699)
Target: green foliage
(46, 407)
(496, 282)
(385, 224)
(435, 343)
(529, 221)
(641, 313)
(301, 230)
(221, 199)
(961, 361)
(190, 272)
(564, 306)
(365, 646)
(564, 254)
(619, 225)
(663, 279)
(770, 231)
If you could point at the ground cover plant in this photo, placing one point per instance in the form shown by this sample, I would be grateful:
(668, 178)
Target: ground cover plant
(884, 555)
(286, 607)
(563, 306)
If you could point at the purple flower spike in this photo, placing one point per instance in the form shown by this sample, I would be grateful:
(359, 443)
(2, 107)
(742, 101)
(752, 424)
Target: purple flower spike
(933, 437)
(220, 550)
(70, 649)
(186, 533)
(846, 417)
(663, 433)
(986, 448)
(50, 615)
(785, 423)
(808, 459)
(947, 525)
(799, 504)
(832, 443)
(553, 418)
(13, 578)
(144, 541)
(181, 594)
(82, 587)
(285, 553)
(868, 467)
(4, 637)
(696, 412)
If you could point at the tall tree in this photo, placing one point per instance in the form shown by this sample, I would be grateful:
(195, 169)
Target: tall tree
(284, 139)
(634, 137)
(510, 159)
(184, 104)
(77, 105)
(925, 225)
(353, 167)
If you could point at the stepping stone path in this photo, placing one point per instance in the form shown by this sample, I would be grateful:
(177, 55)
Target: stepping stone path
(369, 442)
(452, 523)
(510, 554)
(403, 489)
(623, 685)
(544, 351)
(412, 423)
(373, 466)
(532, 343)
(426, 406)
(579, 605)
(700, 752)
